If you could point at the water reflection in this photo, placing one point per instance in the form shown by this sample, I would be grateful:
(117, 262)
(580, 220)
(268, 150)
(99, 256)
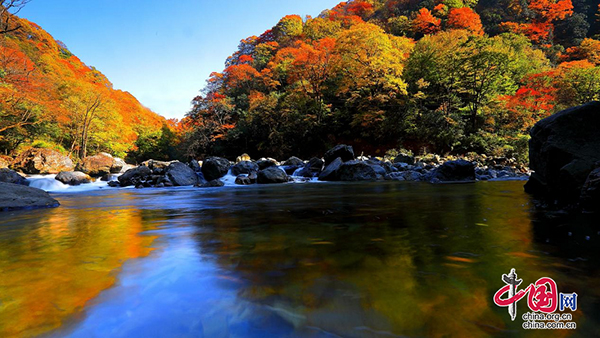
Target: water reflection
(352, 260)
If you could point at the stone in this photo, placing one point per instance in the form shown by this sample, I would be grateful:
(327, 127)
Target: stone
(42, 161)
(294, 161)
(346, 153)
(404, 158)
(97, 165)
(135, 176)
(16, 197)
(244, 167)
(243, 180)
(563, 151)
(118, 165)
(312, 168)
(214, 168)
(330, 173)
(266, 163)
(73, 177)
(453, 171)
(212, 184)
(272, 175)
(195, 165)
(11, 176)
(181, 174)
(356, 171)
(243, 157)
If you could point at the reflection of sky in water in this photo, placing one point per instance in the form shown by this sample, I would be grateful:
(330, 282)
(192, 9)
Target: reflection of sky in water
(352, 260)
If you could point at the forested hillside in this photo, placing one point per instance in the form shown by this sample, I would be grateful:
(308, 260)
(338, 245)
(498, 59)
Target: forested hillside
(452, 76)
(50, 98)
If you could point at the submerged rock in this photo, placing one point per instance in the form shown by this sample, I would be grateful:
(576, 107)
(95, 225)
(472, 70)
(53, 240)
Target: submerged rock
(563, 150)
(356, 171)
(214, 168)
(272, 175)
(10, 176)
(244, 167)
(212, 184)
(73, 177)
(42, 161)
(346, 153)
(15, 197)
(181, 174)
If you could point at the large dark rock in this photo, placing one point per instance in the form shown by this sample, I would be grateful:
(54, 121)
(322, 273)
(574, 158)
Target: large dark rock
(73, 177)
(453, 171)
(97, 165)
(404, 158)
(346, 153)
(181, 174)
(312, 168)
(293, 161)
(356, 171)
(264, 164)
(244, 167)
(214, 168)
(272, 175)
(158, 167)
(10, 176)
(563, 151)
(15, 196)
(42, 161)
(135, 176)
(330, 173)
(243, 180)
(590, 194)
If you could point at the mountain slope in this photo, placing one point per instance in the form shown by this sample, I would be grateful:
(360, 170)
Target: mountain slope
(48, 97)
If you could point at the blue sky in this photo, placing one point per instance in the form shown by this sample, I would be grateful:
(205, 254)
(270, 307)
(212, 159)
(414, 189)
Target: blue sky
(160, 51)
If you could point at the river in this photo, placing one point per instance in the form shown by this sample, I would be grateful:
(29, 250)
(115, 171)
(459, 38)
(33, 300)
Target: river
(295, 260)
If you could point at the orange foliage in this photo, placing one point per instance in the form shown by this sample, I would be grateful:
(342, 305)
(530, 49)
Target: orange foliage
(465, 18)
(426, 23)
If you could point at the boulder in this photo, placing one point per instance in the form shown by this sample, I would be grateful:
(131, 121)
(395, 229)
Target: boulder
(42, 161)
(356, 171)
(272, 175)
(590, 193)
(266, 163)
(244, 167)
(243, 157)
(312, 168)
(195, 165)
(73, 177)
(243, 180)
(15, 197)
(10, 176)
(404, 158)
(135, 176)
(346, 153)
(293, 161)
(214, 168)
(453, 171)
(330, 173)
(563, 150)
(118, 165)
(97, 165)
(158, 167)
(212, 184)
(181, 174)
(379, 169)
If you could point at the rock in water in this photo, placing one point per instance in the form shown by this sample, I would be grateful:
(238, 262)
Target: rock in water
(404, 158)
(10, 176)
(212, 184)
(15, 197)
(42, 161)
(330, 173)
(97, 165)
(244, 167)
(346, 153)
(272, 175)
(135, 176)
(243, 180)
(73, 177)
(293, 161)
(267, 163)
(563, 151)
(118, 165)
(312, 168)
(181, 174)
(356, 171)
(453, 171)
(214, 168)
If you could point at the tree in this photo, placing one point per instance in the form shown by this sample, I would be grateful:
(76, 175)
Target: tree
(465, 18)
(8, 8)
(85, 104)
(425, 23)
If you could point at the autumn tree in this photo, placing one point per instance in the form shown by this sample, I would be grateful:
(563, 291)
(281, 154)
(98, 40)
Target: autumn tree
(465, 18)
(8, 8)
(425, 23)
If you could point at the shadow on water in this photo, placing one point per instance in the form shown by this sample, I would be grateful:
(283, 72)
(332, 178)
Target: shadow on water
(352, 260)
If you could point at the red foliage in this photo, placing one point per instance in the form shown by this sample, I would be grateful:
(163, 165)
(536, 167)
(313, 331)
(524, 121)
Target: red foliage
(426, 23)
(465, 18)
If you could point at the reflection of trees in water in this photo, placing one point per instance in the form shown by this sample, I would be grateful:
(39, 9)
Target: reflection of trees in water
(54, 261)
(410, 259)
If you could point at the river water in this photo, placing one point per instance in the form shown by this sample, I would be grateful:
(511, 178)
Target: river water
(296, 260)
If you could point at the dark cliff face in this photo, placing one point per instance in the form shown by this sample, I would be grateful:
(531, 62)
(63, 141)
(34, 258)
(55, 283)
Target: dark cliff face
(563, 150)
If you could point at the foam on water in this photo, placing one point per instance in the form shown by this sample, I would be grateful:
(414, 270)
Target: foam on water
(50, 184)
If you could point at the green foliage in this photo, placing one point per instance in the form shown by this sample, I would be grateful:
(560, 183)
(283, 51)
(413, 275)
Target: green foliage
(160, 145)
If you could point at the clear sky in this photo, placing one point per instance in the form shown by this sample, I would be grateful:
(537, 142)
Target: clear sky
(161, 51)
